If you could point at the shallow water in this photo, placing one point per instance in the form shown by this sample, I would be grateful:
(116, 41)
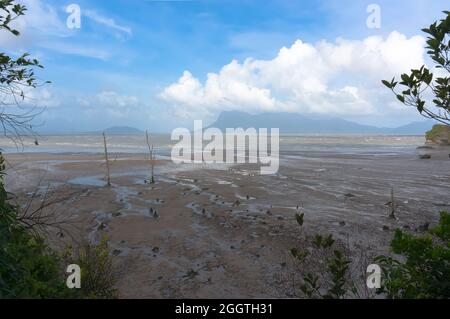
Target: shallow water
(320, 144)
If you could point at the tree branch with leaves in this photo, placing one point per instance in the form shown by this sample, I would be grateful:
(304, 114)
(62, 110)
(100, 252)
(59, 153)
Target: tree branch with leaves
(413, 87)
(16, 76)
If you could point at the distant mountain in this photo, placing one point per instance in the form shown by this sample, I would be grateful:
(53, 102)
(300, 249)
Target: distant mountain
(296, 123)
(414, 128)
(122, 130)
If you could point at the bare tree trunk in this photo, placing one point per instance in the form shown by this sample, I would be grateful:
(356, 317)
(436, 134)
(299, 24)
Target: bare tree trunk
(392, 215)
(152, 158)
(108, 178)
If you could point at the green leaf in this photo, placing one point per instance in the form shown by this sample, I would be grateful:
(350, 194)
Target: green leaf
(420, 106)
(300, 218)
(387, 83)
(401, 98)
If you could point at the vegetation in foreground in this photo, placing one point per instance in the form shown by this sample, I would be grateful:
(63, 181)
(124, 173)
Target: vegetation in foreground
(419, 269)
(29, 268)
(423, 269)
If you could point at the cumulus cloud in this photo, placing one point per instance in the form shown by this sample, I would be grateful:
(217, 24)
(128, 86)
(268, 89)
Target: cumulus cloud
(337, 78)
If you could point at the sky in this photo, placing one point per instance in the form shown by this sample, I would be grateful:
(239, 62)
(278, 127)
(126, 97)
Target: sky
(158, 65)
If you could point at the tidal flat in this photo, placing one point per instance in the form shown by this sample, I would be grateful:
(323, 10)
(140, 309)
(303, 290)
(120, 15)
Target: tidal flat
(225, 231)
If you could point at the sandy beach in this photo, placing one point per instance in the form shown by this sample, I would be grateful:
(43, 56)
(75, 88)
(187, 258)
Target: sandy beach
(225, 231)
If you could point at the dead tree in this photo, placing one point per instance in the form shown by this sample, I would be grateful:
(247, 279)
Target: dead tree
(392, 215)
(108, 178)
(152, 158)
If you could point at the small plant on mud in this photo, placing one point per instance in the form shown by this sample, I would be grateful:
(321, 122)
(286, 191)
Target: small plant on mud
(424, 270)
(323, 268)
(98, 276)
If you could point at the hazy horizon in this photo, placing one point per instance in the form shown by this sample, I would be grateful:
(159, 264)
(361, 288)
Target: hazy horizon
(43, 130)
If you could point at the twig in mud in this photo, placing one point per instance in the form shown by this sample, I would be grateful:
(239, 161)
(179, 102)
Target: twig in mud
(392, 205)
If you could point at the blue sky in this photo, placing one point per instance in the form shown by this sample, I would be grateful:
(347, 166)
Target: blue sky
(126, 64)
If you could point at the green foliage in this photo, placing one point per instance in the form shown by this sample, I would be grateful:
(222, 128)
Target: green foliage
(28, 268)
(442, 230)
(437, 132)
(97, 272)
(15, 72)
(299, 218)
(418, 81)
(324, 269)
(332, 282)
(299, 255)
(338, 267)
(424, 270)
(9, 11)
(320, 241)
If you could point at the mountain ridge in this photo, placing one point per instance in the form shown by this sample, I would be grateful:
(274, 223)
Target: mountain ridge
(296, 123)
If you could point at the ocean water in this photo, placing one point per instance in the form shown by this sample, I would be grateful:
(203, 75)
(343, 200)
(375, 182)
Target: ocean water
(84, 143)
(349, 144)
(289, 144)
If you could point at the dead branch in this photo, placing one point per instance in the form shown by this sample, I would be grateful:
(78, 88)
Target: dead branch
(108, 177)
(151, 158)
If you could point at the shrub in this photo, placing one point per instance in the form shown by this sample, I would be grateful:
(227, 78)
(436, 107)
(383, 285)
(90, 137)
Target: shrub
(330, 278)
(424, 270)
(31, 269)
(28, 268)
(98, 276)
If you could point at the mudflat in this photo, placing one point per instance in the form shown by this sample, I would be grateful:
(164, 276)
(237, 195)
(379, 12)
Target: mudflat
(226, 231)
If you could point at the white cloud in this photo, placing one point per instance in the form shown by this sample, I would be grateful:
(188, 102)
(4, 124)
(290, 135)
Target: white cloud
(39, 19)
(42, 97)
(113, 99)
(34, 98)
(45, 26)
(7, 39)
(341, 78)
(108, 22)
(109, 102)
(43, 18)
